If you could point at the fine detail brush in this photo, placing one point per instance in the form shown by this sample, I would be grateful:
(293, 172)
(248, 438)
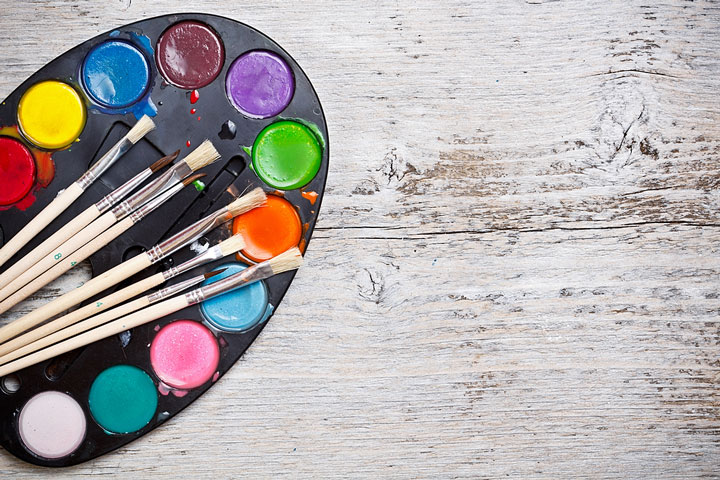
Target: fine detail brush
(94, 245)
(104, 317)
(120, 272)
(289, 260)
(66, 197)
(81, 221)
(221, 250)
(198, 158)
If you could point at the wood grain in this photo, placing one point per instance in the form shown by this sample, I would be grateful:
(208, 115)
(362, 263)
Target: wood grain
(515, 270)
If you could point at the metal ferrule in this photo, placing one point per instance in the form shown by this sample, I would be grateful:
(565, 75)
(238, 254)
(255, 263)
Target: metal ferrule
(191, 233)
(240, 279)
(173, 289)
(170, 177)
(122, 191)
(214, 253)
(154, 203)
(105, 162)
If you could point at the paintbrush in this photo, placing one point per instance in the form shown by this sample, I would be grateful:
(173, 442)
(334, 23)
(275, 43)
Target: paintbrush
(102, 318)
(289, 260)
(222, 249)
(81, 221)
(66, 197)
(132, 266)
(94, 245)
(198, 158)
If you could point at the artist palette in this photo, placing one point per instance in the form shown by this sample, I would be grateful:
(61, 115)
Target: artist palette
(199, 76)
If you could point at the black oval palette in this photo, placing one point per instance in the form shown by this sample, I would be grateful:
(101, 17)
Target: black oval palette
(79, 400)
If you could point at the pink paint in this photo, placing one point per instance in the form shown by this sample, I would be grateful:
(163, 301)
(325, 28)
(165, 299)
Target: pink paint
(194, 96)
(184, 354)
(216, 376)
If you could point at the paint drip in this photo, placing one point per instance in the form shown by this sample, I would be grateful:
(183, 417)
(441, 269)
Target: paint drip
(228, 130)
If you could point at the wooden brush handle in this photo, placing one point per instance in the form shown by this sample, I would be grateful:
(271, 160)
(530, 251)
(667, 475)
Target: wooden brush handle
(41, 220)
(84, 236)
(138, 318)
(73, 297)
(81, 313)
(57, 239)
(64, 265)
(71, 331)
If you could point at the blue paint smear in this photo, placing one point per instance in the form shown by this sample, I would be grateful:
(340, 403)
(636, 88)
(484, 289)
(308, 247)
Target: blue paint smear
(117, 76)
(238, 310)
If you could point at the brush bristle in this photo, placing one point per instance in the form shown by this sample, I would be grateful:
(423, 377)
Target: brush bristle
(192, 178)
(164, 161)
(288, 260)
(254, 198)
(202, 156)
(232, 245)
(213, 273)
(141, 128)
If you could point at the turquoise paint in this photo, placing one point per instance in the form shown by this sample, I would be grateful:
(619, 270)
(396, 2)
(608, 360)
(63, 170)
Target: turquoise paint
(238, 310)
(123, 399)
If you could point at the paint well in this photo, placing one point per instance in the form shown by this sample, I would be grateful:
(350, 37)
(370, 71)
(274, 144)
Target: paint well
(268, 230)
(116, 74)
(123, 399)
(17, 170)
(190, 55)
(52, 425)
(240, 309)
(260, 84)
(51, 114)
(184, 354)
(286, 155)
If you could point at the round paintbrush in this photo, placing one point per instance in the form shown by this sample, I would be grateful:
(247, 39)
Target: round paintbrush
(94, 245)
(81, 221)
(202, 156)
(289, 260)
(132, 266)
(66, 197)
(222, 249)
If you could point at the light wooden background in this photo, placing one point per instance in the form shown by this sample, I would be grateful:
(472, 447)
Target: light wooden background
(515, 272)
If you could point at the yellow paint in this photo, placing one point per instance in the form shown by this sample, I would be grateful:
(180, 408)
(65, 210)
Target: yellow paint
(51, 114)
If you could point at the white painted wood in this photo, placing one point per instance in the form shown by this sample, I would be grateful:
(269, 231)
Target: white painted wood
(515, 271)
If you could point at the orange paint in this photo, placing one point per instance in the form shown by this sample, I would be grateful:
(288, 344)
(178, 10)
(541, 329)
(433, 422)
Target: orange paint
(268, 230)
(310, 197)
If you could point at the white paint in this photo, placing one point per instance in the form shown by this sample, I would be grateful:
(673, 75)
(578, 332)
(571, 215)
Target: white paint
(52, 425)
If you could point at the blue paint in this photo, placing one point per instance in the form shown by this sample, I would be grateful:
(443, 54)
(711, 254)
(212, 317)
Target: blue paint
(116, 74)
(238, 310)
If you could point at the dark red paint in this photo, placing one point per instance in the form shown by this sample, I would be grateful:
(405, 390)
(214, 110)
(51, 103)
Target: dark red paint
(190, 55)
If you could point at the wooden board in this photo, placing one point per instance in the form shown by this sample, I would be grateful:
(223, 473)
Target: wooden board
(515, 270)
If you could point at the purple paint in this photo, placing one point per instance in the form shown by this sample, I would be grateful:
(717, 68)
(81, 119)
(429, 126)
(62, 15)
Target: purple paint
(260, 84)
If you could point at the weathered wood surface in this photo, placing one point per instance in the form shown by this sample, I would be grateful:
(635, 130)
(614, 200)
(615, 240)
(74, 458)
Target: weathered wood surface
(516, 266)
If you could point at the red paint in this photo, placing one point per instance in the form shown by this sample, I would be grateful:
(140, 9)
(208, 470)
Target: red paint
(310, 197)
(192, 111)
(194, 96)
(44, 170)
(199, 118)
(17, 171)
(187, 143)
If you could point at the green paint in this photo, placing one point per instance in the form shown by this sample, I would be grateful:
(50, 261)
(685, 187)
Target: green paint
(248, 150)
(123, 399)
(199, 186)
(286, 155)
(315, 129)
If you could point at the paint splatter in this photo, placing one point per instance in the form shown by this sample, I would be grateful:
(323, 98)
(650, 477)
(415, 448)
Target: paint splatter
(228, 130)
(192, 111)
(310, 197)
(199, 118)
(194, 96)
(187, 143)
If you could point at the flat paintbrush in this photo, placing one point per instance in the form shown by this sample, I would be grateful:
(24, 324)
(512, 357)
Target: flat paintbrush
(94, 245)
(289, 260)
(202, 156)
(132, 266)
(81, 221)
(66, 197)
(102, 318)
(222, 249)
